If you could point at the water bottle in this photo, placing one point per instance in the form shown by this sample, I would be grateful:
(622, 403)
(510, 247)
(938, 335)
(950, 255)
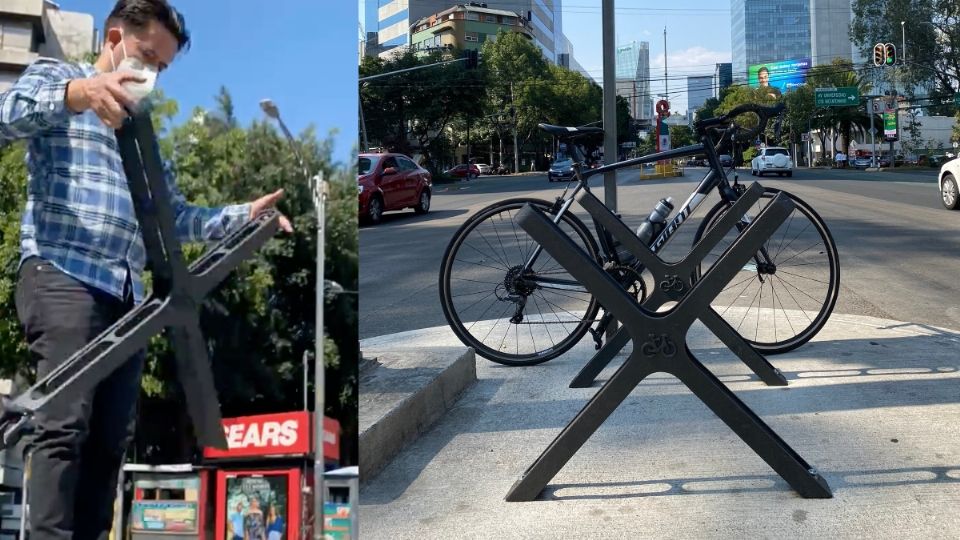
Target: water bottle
(655, 221)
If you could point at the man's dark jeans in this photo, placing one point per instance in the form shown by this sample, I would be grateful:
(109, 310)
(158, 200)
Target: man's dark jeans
(78, 447)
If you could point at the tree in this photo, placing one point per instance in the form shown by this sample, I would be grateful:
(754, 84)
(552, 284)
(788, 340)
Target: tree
(419, 104)
(931, 33)
(707, 110)
(681, 136)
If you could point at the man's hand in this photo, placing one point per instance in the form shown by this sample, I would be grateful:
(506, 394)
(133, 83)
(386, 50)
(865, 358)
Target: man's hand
(103, 94)
(258, 206)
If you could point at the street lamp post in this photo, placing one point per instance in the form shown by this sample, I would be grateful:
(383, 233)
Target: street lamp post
(319, 191)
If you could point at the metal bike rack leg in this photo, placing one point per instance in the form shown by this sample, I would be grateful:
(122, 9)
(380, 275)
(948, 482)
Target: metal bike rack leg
(177, 294)
(660, 346)
(673, 280)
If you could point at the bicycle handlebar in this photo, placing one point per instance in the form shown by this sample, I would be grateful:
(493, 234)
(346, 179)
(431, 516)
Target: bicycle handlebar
(738, 133)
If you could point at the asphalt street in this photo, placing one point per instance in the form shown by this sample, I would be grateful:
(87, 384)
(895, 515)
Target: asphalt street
(898, 245)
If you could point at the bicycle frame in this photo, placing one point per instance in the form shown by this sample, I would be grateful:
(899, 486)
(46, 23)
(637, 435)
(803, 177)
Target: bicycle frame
(715, 178)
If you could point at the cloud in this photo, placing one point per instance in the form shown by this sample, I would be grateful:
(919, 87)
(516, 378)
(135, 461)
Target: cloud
(692, 59)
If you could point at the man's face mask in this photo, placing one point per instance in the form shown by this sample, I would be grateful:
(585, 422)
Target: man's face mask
(138, 90)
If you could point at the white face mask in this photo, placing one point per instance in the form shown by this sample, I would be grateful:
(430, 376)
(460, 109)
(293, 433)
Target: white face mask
(138, 90)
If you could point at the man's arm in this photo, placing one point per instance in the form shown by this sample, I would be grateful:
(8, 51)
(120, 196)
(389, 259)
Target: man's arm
(201, 224)
(37, 101)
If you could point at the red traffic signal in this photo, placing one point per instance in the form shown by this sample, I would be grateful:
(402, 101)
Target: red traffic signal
(879, 54)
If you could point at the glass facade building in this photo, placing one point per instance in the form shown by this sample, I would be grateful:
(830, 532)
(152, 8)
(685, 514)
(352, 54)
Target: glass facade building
(633, 78)
(765, 31)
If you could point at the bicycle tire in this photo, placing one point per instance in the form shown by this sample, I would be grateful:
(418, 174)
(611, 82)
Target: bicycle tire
(829, 293)
(454, 317)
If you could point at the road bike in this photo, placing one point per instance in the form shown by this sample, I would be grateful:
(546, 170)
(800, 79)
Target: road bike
(503, 295)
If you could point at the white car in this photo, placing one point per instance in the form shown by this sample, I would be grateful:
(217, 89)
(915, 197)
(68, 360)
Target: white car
(947, 184)
(772, 160)
(484, 168)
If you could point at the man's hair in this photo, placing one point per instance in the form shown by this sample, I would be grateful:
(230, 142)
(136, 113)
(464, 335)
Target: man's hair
(139, 13)
(764, 68)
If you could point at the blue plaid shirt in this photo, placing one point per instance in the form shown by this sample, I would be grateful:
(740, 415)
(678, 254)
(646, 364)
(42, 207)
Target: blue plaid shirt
(79, 214)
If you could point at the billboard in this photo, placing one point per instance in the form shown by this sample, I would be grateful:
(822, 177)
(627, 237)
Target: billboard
(780, 77)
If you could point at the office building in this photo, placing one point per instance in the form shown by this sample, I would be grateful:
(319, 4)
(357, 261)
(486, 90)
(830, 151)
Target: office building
(633, 79)
(765, 31)
(775, 30)
(722, 77)
(30, 29)
(699, 90)
(393, 19)
(830, 27)
(464, 27)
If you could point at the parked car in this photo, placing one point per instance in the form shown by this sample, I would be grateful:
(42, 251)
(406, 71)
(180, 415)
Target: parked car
(388, 182)
(561, 169)
(500, 169)
(484, 168)
(726, 160)
(463, 171)
(947, 184)
(861, 162)
(772, 159)
(936, 161)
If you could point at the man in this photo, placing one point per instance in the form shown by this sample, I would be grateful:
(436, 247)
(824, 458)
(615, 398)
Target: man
(82, 254)
(764, 77)
(236, 522)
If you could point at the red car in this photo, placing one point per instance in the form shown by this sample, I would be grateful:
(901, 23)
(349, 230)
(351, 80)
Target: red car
(387, 182)
(464, 171)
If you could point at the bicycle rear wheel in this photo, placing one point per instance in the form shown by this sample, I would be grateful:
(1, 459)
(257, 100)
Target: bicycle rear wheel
(507, 315)
(779, 301)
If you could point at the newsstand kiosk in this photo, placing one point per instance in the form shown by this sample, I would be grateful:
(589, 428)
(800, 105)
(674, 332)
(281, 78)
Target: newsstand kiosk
(267, 470)
(261, 484)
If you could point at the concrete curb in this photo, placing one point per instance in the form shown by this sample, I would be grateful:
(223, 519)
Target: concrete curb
(403, 394)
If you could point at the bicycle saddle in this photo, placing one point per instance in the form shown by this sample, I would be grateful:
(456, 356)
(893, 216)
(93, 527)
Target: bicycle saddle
(563, 131)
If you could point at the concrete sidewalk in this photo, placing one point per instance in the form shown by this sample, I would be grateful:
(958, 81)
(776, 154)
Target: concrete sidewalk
(873, 404)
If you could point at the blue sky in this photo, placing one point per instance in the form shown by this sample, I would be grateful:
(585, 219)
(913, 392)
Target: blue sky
(698, 36)
(301, 54)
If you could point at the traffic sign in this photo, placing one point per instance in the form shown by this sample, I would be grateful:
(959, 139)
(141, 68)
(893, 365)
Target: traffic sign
(956, 99)
(890, 126)
(844, 96)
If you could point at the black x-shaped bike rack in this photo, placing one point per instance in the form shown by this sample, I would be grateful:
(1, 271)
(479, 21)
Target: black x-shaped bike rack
(659, 340)
(672, 281)
(173, 304)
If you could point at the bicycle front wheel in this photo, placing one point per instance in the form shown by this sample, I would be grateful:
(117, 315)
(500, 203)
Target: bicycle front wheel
(783, 296)
(510, 315)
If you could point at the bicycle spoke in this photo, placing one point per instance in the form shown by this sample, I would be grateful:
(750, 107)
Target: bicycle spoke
(478, 264)
(545, 327)
(795, 300)
(800, 252)
(747, 312)
(802, 277)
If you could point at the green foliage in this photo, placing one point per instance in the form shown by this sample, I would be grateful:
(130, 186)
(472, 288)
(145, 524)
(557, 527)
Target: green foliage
(261, 320)
(430, 111)
(707, 110)
(681, 136)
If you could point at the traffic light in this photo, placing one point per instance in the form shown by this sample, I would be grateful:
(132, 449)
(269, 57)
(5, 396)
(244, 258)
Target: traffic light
(472, 57)
(890, 54)
(879, 53)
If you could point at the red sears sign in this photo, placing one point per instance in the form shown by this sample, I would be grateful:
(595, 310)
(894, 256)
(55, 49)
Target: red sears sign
(276, 434)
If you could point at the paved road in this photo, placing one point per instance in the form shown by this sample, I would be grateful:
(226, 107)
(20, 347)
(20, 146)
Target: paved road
(898, 245)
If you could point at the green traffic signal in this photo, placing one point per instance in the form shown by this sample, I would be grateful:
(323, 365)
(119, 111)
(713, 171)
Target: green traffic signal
(890, 54)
